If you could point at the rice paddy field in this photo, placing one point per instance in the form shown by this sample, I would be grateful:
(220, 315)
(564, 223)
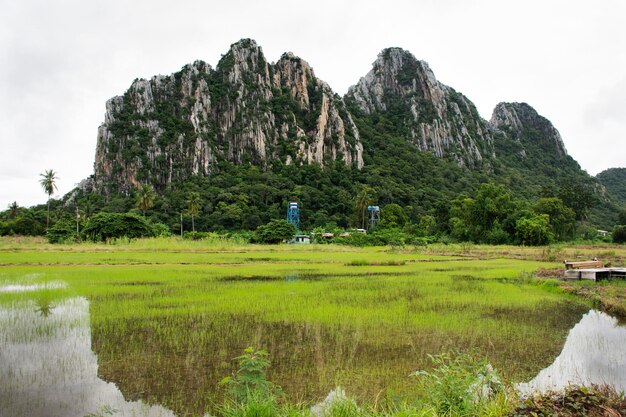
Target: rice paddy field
(165, 318)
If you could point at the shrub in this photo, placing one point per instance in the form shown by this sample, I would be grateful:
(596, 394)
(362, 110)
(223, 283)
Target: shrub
(275, 231)
(619, 234)
(107, 226)
(161, 230)
(63, 231)
(534, 230)
(250, 380)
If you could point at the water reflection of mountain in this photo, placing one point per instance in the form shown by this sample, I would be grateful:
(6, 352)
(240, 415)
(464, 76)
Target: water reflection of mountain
(48, 369)
(594, 353)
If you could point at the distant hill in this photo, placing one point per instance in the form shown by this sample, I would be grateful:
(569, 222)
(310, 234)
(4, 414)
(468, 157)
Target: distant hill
(614, 180)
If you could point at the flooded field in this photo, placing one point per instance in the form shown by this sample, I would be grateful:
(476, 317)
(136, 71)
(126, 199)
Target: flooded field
(48, 367)
(155, 339)
(594, 353)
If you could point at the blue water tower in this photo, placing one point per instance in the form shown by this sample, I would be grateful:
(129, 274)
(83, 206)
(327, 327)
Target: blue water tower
(293, 215)
(374, 212)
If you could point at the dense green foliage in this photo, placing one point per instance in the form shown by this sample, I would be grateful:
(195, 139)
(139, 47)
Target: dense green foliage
(619, 234)
(275, 231)
(332, 199)
(63, 231)
(106, 226)
(614, 179)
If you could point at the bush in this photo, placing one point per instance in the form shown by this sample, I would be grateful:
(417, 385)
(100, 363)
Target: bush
(106, 226)
(275, 231)
(619, 234)
(381, 236)
(497, 235)
(63, 231)
(534, 230)
(161, 230)
(25, 225)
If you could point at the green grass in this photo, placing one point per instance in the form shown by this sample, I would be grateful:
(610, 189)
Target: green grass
(168, 316)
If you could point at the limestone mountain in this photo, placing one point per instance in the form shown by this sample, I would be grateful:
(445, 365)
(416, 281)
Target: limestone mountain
(246, 110)
(433, 116)
(250, 134)
(523, 124)
(528, 142)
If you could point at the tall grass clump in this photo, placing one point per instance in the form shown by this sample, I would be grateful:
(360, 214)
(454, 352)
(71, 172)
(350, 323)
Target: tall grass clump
(459, 385)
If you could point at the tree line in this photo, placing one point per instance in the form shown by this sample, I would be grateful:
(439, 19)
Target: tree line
(251, 202)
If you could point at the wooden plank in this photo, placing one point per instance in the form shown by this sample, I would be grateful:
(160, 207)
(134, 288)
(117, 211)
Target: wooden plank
(583, 264)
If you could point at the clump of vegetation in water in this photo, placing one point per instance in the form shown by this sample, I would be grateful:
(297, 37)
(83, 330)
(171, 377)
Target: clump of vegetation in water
(574, 401)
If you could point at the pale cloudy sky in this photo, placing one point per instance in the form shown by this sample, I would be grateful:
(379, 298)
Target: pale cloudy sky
(60, 60)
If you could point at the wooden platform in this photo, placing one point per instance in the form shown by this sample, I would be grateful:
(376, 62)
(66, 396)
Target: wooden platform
(595, 274)
(584, 264)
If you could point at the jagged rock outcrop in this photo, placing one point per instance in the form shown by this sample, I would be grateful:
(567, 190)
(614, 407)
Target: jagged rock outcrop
(244, 111)
(249, 111)
(432, 115)
(523, 124)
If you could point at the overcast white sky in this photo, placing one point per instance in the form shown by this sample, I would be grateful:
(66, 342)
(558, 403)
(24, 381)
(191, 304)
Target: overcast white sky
(61, 60)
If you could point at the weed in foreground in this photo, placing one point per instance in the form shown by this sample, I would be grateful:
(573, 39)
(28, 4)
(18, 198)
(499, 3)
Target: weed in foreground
(250, 382)
(459, 384)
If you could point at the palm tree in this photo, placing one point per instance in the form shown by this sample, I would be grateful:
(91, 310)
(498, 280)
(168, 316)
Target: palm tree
(145, 198)
(363, 199)
(194, 207)
(48, 182)
(13, 209)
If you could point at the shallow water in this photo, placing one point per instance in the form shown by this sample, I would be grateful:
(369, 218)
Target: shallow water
(15, 288)
(47, 367)
(594, 353)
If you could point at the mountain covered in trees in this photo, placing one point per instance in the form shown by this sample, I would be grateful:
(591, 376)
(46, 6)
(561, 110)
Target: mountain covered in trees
(249, 135)
(614, 180)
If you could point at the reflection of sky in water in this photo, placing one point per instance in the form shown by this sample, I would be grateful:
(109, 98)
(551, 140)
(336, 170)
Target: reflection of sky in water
(594, 353)
(47, 367)
(33, 287)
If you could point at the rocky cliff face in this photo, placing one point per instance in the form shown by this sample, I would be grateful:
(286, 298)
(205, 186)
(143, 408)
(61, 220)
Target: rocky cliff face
(523, 124)
(432, 115)
(245, 111)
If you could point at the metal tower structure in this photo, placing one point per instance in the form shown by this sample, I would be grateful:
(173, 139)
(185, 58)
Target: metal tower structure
(293, 215)
(374, 212)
